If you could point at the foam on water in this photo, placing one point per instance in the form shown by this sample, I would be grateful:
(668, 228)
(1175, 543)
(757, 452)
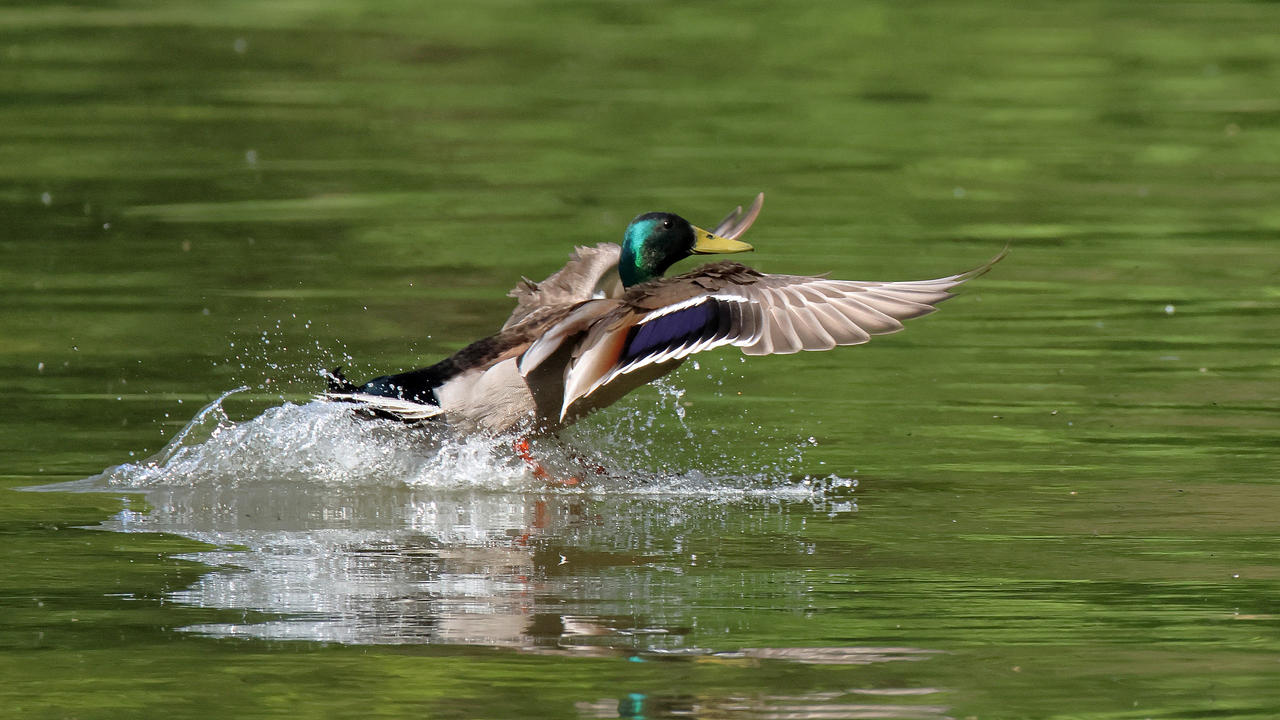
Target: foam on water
(325, 443)
(317, 443)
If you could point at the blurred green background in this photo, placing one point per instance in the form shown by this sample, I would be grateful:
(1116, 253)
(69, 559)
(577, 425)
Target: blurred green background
(1067, 502)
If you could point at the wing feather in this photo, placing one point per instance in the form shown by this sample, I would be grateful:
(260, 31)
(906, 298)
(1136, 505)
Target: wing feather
(576, 282)
(781, 332)
(752, 325)
(895, 307)
(866, 317)
(806, 324)
(582, 319)
(759, 342)
(736, 223)
(842, 331)
(817, 313)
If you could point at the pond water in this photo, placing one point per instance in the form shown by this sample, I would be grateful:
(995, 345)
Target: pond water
(1056, 497)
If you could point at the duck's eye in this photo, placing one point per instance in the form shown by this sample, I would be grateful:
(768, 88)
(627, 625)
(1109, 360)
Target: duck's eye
(666, 224)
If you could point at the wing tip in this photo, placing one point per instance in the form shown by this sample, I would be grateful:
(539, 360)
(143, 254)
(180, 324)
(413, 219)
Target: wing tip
(738, 221)
(985, 267)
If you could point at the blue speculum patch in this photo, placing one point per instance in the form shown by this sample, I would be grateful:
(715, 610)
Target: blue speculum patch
(672, 329)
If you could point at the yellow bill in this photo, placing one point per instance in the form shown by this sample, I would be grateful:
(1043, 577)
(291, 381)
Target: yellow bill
(708, 243)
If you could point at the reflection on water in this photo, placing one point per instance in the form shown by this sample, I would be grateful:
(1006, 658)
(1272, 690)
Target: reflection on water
(826, 705)
(351, 531)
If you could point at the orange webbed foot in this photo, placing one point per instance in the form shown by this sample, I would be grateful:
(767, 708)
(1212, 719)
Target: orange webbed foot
(525, 452)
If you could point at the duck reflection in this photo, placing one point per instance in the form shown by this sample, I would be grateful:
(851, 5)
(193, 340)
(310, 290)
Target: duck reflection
(540, 570)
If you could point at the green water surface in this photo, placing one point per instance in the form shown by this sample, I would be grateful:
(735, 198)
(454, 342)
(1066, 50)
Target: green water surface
(1065, 503)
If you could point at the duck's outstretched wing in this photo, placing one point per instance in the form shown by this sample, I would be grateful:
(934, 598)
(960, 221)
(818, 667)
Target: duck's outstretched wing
(731, 304)
(815, 313)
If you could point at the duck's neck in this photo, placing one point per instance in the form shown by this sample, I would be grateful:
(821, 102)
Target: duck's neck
(634, 270)
(640, 261)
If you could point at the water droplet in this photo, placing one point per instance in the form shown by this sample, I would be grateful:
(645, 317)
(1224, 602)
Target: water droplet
(1169, 309)
(46, 199)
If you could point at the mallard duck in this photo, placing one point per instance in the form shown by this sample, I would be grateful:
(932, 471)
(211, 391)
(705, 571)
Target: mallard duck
(609, 322)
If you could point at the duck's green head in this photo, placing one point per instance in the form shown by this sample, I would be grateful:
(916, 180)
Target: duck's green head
(655, 241)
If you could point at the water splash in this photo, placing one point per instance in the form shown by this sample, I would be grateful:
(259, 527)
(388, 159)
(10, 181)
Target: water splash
(650, 434)
(324, 443)
(350, 530)
(316, 443)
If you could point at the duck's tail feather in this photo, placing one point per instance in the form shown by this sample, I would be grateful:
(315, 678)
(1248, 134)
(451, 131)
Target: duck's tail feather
(381, 397)
(386, 408)
(337, 382)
